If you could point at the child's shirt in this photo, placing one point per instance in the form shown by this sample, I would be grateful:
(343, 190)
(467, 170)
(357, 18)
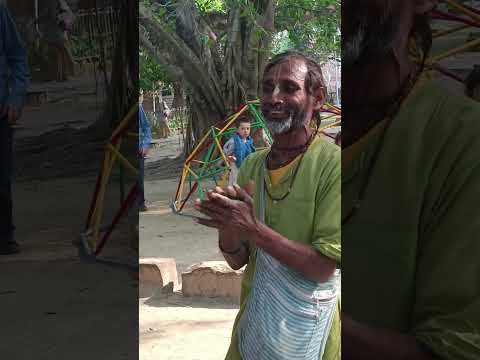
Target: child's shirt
(238, 147)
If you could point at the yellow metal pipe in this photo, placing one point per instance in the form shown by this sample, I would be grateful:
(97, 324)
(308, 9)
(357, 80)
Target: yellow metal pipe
(125, 120)
(454, 51)
(182, 183)
(221, 152)
(98, 212)
(463, 9)
(191, 171)
(106, 164)
(198, 146)
(120, 157)
(330, 126)
(235, 117)
(450, 31)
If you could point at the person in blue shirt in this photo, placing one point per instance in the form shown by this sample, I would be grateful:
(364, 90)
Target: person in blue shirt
(145, 137)
(238, 147)
(14, 82)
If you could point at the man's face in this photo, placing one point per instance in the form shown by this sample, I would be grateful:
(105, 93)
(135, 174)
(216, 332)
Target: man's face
(244, 130)
(369, 28)
(285, 102)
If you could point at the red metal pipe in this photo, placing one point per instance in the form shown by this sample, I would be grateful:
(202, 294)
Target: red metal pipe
(125, 206)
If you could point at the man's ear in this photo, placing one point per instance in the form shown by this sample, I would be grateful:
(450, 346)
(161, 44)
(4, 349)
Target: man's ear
(319, 99)
(424, 6)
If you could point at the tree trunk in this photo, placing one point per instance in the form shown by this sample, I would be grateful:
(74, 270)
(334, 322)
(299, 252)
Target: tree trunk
(123, 89)
(178, 95)
(217, 82)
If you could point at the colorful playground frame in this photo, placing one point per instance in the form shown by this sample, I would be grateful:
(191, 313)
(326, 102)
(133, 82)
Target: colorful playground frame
(94, 235)
(208, 161)
(468, 18)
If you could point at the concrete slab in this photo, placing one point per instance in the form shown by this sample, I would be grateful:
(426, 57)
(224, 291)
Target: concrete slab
(156, 273)
(212, 279)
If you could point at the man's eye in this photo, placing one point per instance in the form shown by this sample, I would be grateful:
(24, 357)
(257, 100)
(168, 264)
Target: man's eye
(290, 89)
(267, 88)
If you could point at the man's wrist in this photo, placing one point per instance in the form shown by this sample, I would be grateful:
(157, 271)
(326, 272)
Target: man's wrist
(257, 233)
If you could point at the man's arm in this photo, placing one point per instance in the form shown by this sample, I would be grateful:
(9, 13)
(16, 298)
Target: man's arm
(233, 248)
(238, 216)
(362, 342)
(301, 257)
(17, 62)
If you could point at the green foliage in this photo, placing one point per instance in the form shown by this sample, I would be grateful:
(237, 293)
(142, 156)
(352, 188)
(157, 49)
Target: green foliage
(206, 6)
(152, 76)
(312, 26)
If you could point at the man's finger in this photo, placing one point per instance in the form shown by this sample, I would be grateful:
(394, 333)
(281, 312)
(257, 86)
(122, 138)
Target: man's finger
(211, 192)
(219, 190)
(210, 211)
(231, 193)
(222, 200)
(208, 223)
(250, 187)
(209, 205)
(242, 194)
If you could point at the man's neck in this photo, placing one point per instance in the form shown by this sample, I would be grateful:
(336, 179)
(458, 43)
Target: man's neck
(288, 146)
(371, 91)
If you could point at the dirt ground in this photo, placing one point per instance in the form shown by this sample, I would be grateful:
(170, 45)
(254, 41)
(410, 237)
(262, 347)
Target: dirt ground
(173, 327)
(52, 305)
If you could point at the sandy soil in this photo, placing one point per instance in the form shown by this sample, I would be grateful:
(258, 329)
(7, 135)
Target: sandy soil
(52, 305)
(173, 327)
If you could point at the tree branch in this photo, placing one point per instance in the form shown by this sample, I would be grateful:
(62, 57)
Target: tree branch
(193, 69)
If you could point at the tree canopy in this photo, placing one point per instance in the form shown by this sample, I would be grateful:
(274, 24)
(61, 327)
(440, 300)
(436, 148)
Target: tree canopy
(217, 49)
(311, 26)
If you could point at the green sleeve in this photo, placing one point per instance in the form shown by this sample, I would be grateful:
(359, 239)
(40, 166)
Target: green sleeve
(447, 302)
(242, 177)
(247, 170)
(327, 220)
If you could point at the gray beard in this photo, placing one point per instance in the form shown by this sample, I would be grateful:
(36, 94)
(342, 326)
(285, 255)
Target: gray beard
(281, 127)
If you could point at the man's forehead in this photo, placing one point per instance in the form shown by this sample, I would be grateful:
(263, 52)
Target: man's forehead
(289, 69)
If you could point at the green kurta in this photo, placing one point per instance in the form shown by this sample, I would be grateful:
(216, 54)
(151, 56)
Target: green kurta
(412, 260)
(310, 214)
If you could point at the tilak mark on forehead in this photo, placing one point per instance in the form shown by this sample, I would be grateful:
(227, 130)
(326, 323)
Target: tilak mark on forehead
(300, 66)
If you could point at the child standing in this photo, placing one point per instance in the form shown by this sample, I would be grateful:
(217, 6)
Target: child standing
(238, 147)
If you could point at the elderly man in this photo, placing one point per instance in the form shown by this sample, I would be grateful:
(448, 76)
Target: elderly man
(283, 220)
(13, 87)
(410, 194)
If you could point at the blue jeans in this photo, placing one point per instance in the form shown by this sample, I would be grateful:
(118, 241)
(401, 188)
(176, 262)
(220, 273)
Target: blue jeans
(6, 182)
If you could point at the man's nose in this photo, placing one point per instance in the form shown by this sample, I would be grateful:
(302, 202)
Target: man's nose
(275, 99)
